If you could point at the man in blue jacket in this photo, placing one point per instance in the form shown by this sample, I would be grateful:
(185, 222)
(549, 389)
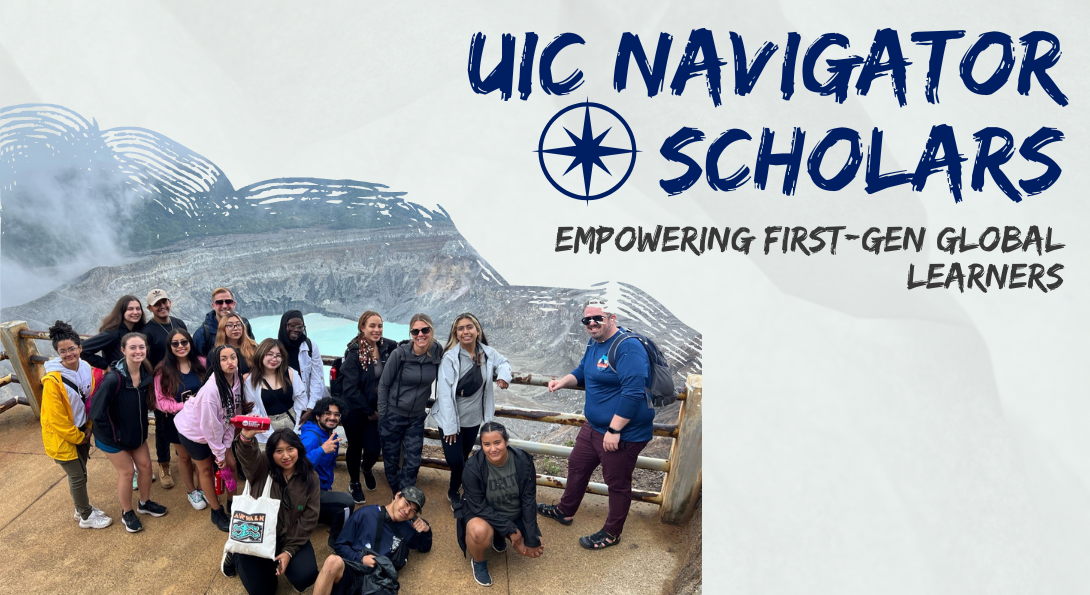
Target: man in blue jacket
(322, 444)
(223, 305)
(388, 531)
(619, 423)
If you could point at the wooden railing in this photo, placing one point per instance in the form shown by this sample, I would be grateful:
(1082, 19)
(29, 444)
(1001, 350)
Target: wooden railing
(680, 487)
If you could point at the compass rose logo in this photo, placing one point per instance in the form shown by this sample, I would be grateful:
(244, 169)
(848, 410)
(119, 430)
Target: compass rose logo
(588, 151)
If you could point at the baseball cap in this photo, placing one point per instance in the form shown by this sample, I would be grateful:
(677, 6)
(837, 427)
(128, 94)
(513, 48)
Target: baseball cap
(155, 295)
(414, 495)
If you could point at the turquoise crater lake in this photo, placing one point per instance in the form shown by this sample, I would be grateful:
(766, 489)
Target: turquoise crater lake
(331, 335)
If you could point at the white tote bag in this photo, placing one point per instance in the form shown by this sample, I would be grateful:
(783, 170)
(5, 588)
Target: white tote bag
(253, 524)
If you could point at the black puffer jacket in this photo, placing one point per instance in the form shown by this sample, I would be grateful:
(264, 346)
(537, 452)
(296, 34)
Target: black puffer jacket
(361, 386)
(119, 410)
(103, 349)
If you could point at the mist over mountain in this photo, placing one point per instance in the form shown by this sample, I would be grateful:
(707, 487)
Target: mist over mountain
(76, 196)
(91, 215)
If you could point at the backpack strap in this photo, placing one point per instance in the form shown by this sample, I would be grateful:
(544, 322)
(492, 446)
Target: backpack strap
(612, 353)
(73, 386)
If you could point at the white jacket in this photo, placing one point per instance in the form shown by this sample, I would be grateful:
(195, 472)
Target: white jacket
(253, 395)
(312, 373)
(445, 410)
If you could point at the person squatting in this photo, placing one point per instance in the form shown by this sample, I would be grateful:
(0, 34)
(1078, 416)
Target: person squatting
(105, 387)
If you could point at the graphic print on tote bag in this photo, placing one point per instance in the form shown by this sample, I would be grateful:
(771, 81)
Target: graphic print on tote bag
(247, 528)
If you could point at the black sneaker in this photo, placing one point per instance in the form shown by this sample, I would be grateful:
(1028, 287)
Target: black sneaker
(357, 493)
(455, 500)
(369, 481)
(132, 524)
(221, 520)
(151, 507)
(480, 573)
(227, 566)
(499, 542)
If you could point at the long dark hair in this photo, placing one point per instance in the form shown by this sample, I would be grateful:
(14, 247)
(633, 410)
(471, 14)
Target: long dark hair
(226, 391)
(116, 317)
(257, 367)
(170, 376)
(302, 463)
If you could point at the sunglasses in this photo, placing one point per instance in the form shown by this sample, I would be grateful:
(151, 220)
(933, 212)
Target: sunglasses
(420, 331)
(225, 302)
(596, 318)
(181, 343)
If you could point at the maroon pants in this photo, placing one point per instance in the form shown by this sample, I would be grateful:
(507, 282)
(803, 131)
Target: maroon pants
(617, 468)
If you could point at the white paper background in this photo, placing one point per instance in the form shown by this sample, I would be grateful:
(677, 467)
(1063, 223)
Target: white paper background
(860, 438)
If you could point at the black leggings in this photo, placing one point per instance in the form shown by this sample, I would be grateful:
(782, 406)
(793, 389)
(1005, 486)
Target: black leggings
(363, 443)
(458, 453)
(258, 575)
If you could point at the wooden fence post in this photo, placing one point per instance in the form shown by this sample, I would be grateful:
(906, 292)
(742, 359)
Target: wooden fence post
(19, 351)
(682, 486)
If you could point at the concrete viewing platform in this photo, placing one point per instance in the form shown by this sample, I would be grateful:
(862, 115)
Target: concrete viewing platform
(45, 551)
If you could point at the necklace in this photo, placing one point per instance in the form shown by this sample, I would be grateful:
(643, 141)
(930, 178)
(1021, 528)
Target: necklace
(164, 327)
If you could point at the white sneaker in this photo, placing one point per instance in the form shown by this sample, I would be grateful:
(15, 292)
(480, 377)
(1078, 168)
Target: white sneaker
(196, 498)
(94, 512)
(97, 520)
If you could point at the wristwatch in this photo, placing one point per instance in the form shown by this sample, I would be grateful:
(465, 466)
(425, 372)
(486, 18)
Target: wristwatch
(612, 431)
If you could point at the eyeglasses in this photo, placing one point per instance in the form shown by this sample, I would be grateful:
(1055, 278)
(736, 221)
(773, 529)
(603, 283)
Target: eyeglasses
(232, 326)
(69, 351)
(182, 343)
(225, 302)
(420, 331)
(596, 318)
(274, 356)
(295, 327)
(331, 414)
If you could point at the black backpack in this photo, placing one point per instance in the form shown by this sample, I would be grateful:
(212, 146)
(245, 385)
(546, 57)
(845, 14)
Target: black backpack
(336, 381)
(660, 390)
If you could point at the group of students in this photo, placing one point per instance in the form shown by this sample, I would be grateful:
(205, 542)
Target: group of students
(195, 385)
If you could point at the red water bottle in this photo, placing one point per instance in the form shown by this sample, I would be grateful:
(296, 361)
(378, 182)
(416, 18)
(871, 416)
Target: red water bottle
(251, 422)
(220, 487)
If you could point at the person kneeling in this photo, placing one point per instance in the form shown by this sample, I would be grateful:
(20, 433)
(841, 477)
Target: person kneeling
(297, 487)
(499, 502)
(375, 539)
(322, 444)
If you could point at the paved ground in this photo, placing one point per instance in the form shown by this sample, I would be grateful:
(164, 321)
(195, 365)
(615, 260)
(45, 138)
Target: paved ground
(44, 550)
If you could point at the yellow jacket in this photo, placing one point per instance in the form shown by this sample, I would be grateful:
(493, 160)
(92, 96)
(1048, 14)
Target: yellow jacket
(59, 432)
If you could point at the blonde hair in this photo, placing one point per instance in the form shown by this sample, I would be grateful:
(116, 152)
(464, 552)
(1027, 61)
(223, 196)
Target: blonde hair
(247, 345)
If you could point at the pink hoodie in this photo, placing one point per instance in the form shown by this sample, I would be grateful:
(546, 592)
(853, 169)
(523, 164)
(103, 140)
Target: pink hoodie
(164, 402)
(201, 418)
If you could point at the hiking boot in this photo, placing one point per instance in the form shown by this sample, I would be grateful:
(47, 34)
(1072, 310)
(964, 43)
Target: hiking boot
(165, 478)
(220, 519)
(196, 500)
(151, 507)
(499, 542)
(132, 524)
(96, 520)
(369, 481)
(480, 572)
(357, 493)
(227, 566)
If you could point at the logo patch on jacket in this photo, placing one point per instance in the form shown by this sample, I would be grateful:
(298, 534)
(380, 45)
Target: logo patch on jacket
(603, 363)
